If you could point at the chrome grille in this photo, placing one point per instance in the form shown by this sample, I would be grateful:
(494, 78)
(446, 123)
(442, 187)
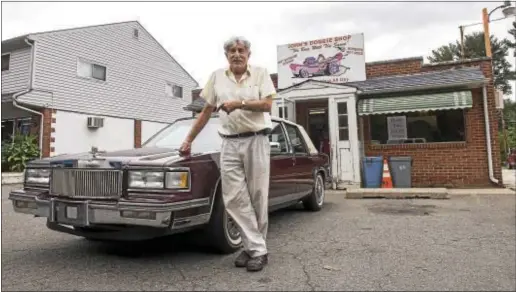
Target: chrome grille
(86, 183)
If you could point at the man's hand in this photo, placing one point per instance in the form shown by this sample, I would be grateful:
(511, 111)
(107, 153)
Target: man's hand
(185, 148)
(198, 125)
(229, 106)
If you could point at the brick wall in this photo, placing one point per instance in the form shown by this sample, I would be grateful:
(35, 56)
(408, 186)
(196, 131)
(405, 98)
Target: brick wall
(457, 164)
(137, 134)
(48, 130)
(394, 67)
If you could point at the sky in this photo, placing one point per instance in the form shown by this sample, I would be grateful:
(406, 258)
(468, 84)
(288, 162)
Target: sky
(193, 33)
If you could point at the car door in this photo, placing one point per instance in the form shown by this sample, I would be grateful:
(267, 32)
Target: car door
(282, 180)
(303, 164)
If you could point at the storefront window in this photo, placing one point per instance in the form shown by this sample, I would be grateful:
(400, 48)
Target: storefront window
(418, 127)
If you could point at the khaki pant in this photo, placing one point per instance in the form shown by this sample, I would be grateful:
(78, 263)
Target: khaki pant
(245, 170)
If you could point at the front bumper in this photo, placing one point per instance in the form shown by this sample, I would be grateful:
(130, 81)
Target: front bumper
(84, 213)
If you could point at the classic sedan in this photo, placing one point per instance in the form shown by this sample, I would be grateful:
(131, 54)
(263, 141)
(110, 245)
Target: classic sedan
(152, 191)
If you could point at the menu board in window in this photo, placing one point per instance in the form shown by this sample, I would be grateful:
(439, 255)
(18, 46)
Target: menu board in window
(397, 127)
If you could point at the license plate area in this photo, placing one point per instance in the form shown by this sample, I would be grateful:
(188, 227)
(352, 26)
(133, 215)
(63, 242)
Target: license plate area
(72, 213)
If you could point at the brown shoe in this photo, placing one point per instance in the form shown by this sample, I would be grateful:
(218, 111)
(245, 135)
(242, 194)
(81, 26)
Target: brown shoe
(257, 263)
(242, 259)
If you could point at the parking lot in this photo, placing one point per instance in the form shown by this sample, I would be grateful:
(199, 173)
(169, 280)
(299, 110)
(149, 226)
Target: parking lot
(465, 243)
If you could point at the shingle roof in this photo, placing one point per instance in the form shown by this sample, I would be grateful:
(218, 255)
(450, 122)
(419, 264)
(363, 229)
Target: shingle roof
(442, 79)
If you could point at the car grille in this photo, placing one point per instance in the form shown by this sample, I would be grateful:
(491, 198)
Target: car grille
(86, 183)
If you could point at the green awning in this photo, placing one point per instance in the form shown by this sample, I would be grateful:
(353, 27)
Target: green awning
(415, 103)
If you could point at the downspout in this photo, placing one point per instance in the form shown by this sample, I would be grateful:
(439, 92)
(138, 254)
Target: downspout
(29, 89)
(488, 138)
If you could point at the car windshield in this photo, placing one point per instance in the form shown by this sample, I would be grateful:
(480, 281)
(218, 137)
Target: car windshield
(173, 136)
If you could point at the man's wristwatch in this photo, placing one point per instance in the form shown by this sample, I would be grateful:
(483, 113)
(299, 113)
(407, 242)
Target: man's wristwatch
(243, 103)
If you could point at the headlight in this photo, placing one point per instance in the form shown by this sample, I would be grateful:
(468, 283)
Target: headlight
(159, 179)
(39, 176)
(146, 179)
(177, 180)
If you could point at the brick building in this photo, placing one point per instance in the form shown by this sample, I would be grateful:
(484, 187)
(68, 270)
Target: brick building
(442, 106)
(458, 163)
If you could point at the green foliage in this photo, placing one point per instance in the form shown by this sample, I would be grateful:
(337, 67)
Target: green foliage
(512, 42)
(508, 139)
(474, 47)
(509, 111)
(19, 151)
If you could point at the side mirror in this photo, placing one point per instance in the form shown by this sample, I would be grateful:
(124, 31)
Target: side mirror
(275, 147)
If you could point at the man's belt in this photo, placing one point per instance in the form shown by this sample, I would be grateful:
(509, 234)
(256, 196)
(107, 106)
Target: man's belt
(265, 132)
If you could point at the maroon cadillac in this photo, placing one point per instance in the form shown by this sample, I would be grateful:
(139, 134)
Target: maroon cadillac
(152, 191)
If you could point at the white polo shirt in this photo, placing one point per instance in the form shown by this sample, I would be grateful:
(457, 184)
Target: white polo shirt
(255, 84)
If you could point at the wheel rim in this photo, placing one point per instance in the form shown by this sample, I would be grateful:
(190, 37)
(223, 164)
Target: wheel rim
(303, 73)
(319, 191)
(232, 231)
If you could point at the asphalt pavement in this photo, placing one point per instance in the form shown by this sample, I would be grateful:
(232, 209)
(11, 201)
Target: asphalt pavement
(464, 243)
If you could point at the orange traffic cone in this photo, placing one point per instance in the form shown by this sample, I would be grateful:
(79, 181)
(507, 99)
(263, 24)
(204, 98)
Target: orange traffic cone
(386, 177)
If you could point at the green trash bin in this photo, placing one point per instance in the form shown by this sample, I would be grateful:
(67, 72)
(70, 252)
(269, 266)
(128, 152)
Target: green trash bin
(401, 171)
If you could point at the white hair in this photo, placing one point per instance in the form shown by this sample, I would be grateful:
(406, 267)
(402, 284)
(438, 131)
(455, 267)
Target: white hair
(234, 40)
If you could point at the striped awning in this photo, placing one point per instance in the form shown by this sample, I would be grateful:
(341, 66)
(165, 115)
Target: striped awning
(415, 103)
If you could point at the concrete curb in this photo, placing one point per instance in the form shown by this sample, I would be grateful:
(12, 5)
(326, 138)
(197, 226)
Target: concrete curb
(480, 192)
(12, 178)
(395, 193)
(426, 193)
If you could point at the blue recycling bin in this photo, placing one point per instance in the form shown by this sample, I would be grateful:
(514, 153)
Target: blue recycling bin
(373, 167)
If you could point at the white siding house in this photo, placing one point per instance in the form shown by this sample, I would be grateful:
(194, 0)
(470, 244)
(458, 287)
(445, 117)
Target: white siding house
(117, 72)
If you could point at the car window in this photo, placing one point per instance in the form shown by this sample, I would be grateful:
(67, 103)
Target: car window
(277, 137)
(173, 136)
(296, 140)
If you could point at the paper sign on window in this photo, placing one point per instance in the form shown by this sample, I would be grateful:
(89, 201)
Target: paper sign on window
(397, 127)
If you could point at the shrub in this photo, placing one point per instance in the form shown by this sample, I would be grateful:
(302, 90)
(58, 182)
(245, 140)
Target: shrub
(17, 152)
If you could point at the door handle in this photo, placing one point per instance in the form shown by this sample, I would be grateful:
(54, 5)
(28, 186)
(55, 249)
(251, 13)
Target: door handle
(293, 160)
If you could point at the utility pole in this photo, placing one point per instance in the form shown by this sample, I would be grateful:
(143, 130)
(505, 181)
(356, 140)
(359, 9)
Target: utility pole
(461, 42)
(487, 39)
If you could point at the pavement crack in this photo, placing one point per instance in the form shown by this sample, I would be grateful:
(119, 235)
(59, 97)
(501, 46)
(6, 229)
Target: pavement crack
(308, 280)
(175, 267)
(181, 273)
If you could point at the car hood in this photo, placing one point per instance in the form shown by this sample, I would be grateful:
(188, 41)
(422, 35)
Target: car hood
(147, 156)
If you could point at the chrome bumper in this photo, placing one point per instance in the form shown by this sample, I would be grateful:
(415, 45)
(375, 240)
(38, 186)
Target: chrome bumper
(85, 213)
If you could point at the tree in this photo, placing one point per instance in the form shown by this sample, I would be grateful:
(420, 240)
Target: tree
(507, 134)
(474, 47)
(509, 43)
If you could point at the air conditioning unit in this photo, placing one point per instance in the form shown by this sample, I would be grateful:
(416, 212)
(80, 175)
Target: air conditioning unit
(95, 122)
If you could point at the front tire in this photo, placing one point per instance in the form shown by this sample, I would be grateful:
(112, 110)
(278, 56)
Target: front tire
(315, 200)
(222, 232)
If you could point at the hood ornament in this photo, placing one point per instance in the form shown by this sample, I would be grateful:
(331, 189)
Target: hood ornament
(93, 161)
(94, 150)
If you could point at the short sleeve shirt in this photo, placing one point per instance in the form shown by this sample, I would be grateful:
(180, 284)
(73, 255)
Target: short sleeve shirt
(255, 84)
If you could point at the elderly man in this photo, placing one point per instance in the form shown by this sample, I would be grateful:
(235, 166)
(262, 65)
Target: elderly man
(244, 94)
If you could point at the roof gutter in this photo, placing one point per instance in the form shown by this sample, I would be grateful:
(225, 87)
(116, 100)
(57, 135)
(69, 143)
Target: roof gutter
(29, 89)
(364, 92)
(488, 138)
